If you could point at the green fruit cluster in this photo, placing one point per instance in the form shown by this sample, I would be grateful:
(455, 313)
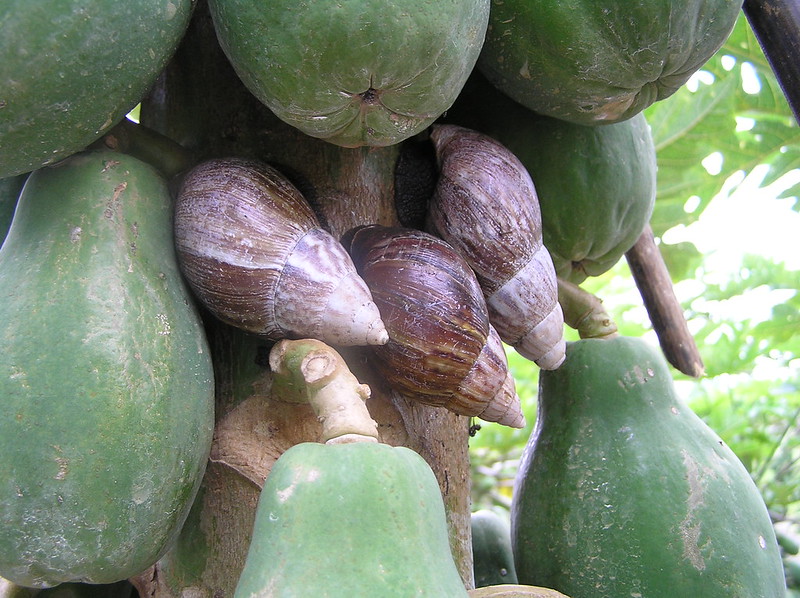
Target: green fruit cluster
(106, 379)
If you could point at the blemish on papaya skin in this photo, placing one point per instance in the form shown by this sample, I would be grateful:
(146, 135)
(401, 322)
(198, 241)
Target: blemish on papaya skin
(63, 464)
(110, 164)
(635, 377)
(111, 206)
(63, 468)
(689, 528)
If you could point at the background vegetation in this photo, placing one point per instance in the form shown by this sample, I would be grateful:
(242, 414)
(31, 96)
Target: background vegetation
(727, 216)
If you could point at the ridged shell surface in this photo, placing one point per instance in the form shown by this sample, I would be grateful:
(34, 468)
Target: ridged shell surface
(442, 350)
(485, 205)
(254, 253)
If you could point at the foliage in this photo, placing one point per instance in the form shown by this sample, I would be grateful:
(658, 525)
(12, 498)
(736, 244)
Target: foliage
(729, 130)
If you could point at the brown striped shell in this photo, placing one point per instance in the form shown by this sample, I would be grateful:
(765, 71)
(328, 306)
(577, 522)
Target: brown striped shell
(485, 205)
(255, 255)
(442, 350)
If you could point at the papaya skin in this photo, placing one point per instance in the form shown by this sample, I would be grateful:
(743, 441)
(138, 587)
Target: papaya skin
(72, 69)
(595, 63)
(354, 72)
(623, 490)
(492, 560)
(359, 519)
(105, 376)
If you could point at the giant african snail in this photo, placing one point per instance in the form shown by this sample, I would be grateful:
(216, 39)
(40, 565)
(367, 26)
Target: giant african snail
(255, 255)
(442, 350)
(485, 205)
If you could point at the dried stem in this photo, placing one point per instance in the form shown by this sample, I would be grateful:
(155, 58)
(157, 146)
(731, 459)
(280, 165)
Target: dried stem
(666, 315)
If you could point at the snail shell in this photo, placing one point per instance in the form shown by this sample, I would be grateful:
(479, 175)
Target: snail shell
(485, 205)
(442, 350)
(255, 255)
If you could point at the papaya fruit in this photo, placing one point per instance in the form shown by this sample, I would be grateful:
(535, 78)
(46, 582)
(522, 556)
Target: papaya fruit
(355, 72)
(71, 70)
(594, 62)
(362, 519)
(623, 490)
(596, 185)
(105, 376)
(492, 558)
(10, 188)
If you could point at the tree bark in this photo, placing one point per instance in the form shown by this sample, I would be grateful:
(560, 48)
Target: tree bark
(200, 103)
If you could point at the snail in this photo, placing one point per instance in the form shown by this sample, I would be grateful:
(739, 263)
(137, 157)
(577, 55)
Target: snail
(254, 254)
(485, 205)
(442, 350)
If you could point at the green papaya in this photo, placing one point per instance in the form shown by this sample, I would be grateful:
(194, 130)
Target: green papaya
(72, 69)
(354, 72)
(593, 62)
(492, 558)
(105, 376)
(359, 520)
(623, 490)
(10, 188)
(596, 185)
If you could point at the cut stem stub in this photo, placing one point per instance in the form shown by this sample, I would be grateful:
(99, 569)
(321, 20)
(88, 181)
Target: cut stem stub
(584, 311)
(310, 371)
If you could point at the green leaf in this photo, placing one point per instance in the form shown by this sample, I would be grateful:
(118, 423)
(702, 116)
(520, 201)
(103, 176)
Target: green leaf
(722, 118)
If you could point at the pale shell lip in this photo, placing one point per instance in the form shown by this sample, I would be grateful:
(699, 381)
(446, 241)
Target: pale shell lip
(351, 316)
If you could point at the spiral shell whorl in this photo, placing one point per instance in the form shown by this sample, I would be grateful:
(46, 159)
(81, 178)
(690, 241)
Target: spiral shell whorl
(439, 350)
(504, 406)
(485, 205)
(254, 254)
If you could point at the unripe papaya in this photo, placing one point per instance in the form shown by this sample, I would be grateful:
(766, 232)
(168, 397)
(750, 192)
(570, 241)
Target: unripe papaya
(105, 376)
(593, 62)
(492, 558)
(353, 72)
(624, 491)
(362, 520)
(72, 69)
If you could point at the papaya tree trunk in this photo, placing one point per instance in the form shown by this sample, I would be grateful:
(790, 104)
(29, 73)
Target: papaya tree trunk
(200, 103)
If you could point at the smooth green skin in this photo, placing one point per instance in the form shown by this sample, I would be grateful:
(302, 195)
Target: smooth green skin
(310, 62)
(360, 520)
(492, 558)
(106, 380)
(72, 69)
(593, 62)
(623, 491)
(596, 185)
(10, 188)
